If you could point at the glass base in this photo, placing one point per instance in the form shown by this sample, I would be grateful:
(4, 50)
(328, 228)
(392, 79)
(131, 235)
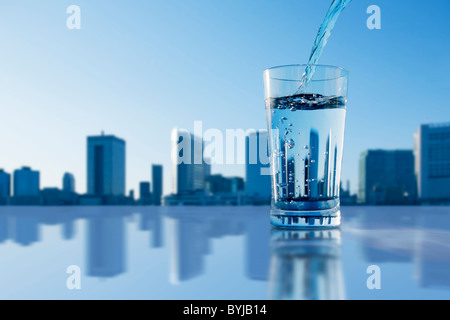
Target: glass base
(330, 218)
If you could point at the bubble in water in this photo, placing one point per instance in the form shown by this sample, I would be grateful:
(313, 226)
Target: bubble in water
(290, 143)
(305, 147)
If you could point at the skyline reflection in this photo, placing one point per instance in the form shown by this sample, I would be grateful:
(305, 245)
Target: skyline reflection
(185, 244)
(421, 239)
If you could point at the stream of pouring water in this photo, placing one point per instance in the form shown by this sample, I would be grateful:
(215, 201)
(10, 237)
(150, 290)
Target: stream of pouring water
(321, 40)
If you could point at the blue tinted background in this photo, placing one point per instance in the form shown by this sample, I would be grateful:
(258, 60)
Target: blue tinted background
(136, 69)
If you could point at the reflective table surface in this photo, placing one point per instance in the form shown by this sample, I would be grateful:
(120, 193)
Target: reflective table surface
(221, 253)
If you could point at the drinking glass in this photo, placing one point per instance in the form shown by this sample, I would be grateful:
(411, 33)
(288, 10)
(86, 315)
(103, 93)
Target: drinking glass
(306, 121)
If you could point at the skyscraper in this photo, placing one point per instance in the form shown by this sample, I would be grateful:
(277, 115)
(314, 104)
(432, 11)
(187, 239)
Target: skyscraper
(432, 162)
(26, 182)
(144, 189)
(257, 178)
(105, 165)
(188, 166)
(145, 196)
(5, 184)
(217, 183)
(68, 182)
(157, 180)
(387, 177)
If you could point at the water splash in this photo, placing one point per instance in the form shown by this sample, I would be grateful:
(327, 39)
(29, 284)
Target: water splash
(321, 40)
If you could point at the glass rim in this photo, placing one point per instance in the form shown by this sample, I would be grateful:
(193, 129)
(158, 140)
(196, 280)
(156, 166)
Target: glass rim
(344, 74)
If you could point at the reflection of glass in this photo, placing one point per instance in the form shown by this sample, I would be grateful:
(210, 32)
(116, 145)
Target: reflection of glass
(306, 137)
(306, 265)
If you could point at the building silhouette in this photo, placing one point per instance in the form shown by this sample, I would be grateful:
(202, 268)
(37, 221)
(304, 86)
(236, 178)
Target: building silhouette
(105, 165)
(432, 162)
(219, 184)
(26, 186)
(5, 186)
(257, 174)
(387, 177)
(51, 196)
(157, 180)
(145, 196)
(312, 170)
(26, 182)
(67, 195)
(68, 182)
(188, 166)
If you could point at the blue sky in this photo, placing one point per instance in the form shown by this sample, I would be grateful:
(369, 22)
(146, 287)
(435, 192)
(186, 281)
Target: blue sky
(137, 69)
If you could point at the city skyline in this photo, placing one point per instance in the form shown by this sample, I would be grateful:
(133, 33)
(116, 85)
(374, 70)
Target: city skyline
(385, 176)
(161, 64)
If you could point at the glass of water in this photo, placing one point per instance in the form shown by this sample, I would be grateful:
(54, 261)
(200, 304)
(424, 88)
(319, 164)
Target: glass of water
(306, 123)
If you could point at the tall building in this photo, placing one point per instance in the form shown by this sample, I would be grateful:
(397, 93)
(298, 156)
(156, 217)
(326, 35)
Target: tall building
(5, 184)
(145, 196)
(432, 162)
(219, 184)
(257, 177)
(144, 189)
(26, 182)
(188, 166)
(105, 165)
(387, 177)
(157, 180)
(68, 182)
